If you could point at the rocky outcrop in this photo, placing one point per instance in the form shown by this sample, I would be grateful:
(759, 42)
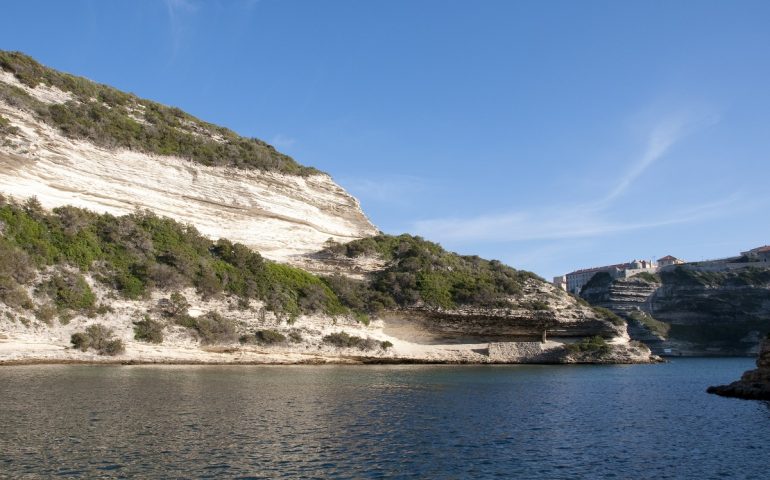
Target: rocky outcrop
(515, 323)
(279, 215)
(692, 313)
(286, 214)
(754, 384)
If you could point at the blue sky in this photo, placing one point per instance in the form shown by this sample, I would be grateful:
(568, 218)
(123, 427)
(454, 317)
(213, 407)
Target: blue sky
(552, 135)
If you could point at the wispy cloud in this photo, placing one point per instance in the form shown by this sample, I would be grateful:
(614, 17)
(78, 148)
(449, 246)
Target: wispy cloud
(590, 218)
(177, 11)
(390, 189)
(281, 141)
(559, 222)
(663, 136)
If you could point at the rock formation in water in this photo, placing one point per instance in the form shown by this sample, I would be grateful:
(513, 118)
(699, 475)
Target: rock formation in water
(686, 311)
(754, 384)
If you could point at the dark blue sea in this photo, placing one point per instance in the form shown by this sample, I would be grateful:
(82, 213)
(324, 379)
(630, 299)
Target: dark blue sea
(442, 422)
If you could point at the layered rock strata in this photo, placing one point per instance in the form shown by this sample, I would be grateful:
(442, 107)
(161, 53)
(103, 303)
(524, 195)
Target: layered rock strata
(277, 214)
(689, 315)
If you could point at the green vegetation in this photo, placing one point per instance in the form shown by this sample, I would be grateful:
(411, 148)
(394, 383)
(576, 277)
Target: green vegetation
(265, 337)
(344, 340)
(134, 255)
(148, 330)
(655, 326)
(608, 314)
(593, 344)
(69, 291)
(537, 305)
(100, 338)
(211, 328)
(6, 128)
(111, 118)
(648, 277)
(138, 253)
(421, 273)
(295, 336)
(599, 280)
(751, 276)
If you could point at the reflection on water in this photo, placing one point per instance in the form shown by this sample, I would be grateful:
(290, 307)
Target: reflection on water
(381, 421)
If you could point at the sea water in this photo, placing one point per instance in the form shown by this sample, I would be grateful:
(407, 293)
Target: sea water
(627, 421)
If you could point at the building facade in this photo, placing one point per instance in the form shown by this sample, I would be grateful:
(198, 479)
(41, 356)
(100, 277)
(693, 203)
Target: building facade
(573, 282)
(669, 260)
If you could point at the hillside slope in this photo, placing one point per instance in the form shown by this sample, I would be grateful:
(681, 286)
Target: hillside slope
(132, 228)
(227, 186)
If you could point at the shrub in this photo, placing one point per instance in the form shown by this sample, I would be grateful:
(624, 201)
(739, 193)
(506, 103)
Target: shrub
(269, 337)
(609, 315)
(385, 344)
(69, 291)
(598, 280)
(295, 336)
(113, 347)
(46, 314)
(344, 340)
(421, 273)
(148, 330)
(537, 305)
(174, 306)
(591, 344)
(212, 328)
(264, 337)
(6, 128)
(103, 309)
(13, 295)
(98, 337)
(655, 326)
(81, 341)
(647, 277)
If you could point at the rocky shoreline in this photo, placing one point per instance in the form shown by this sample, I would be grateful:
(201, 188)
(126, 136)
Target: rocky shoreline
(754, 384)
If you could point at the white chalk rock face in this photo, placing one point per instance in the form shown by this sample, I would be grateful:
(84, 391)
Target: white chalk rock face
(278, 215)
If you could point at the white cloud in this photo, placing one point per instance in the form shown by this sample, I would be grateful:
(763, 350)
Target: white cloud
(389, 189)
(280, 141)
(588, 218)
(558, 222)
(177, 10)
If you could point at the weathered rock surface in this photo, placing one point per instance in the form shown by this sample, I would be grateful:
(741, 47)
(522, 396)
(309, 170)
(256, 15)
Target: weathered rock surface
(754, 384)
(277, 214)
(285, 217)
(685, 314)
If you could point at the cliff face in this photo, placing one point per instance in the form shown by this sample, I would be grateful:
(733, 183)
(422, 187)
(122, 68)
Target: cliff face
(754, 384)
(68, 141)
(279, 214)
(689, 312)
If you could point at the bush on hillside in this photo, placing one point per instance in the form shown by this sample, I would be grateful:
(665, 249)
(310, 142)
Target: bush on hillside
(212, 328)
(69, 291)
(148, 330)
(593, 344)
(345, 340)
(99, 338)
(421, 273)
(264, 337)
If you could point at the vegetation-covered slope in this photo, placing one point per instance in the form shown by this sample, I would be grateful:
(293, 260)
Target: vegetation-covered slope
(422, 273)
(135, 254)
(110, 118)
